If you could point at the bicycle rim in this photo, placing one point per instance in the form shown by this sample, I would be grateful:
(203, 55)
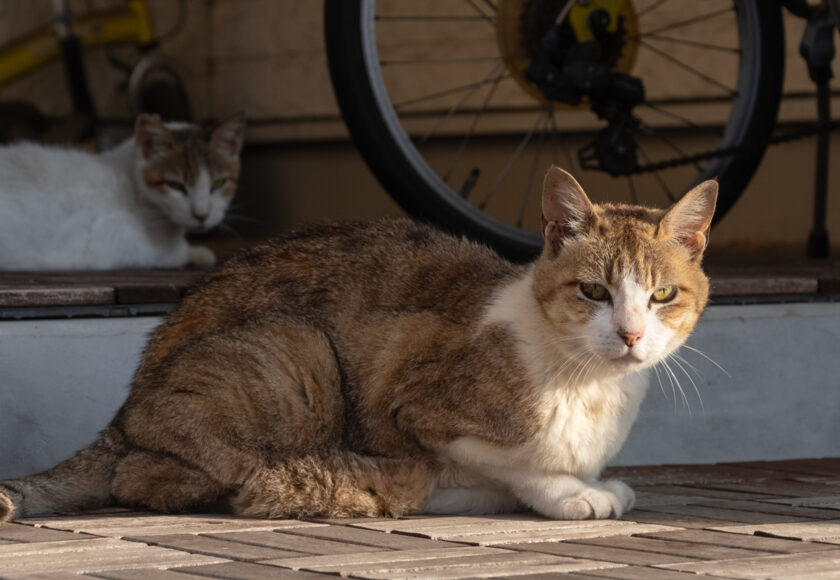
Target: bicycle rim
(427, 188)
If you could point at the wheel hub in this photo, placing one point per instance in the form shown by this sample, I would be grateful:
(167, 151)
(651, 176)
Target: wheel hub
(590, 43)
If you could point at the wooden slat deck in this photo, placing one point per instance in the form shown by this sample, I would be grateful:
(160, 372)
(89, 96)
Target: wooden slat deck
(747, 520)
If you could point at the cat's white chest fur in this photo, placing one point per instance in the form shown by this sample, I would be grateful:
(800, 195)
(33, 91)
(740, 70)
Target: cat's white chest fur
(582, 421)
(581, 429)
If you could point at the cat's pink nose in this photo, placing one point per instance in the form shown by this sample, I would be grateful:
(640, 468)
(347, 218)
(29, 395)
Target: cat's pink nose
(201, 217)
(630, 338)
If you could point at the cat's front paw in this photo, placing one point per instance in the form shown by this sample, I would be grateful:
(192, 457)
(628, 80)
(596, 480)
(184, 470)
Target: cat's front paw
(201, 256)
(611, 499)
(623, 492)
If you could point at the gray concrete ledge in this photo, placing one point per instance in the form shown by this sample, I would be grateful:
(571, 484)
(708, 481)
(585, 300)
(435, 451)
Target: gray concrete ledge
(62, 380)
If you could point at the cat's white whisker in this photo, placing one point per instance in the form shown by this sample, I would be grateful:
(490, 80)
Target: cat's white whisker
(659, 379)
(683, 360)
(708, 358)
(675, 358)
(678, 385)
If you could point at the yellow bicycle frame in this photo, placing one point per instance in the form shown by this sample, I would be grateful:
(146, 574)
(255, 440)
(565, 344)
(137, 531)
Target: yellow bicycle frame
(130, 24)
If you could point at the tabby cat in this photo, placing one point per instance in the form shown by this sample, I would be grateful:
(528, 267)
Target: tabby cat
(382, 368)
(67, 209)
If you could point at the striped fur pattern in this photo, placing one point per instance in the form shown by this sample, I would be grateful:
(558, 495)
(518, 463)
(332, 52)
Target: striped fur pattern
(384, 368)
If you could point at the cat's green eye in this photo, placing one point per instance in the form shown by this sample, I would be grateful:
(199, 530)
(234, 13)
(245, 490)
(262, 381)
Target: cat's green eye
(665, 294)
(177, 186)
(219, 183)
(594, 291)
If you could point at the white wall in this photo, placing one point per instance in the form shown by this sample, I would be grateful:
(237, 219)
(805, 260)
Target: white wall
(781, 399)
(61, 381)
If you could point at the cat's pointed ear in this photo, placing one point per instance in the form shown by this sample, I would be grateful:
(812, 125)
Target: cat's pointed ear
(688, 221)
(228, 136)
(566, 210)
(151, 137)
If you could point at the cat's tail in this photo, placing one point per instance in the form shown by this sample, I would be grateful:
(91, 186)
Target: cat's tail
(81, 482)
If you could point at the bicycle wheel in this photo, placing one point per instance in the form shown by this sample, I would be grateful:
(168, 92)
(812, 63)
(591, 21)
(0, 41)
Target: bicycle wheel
(441, 99)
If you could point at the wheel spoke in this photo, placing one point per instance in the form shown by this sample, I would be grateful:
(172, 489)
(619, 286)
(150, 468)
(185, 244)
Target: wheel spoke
(650, 8)
(454, 90)
(519, 149)
(693, 43)
(471, 131)
(687, 22)
(424, 18)
(566, 151)
(493, 75)
(427, 61)
(662, 111)
(730, 91)
(481, 12)
(530, 182)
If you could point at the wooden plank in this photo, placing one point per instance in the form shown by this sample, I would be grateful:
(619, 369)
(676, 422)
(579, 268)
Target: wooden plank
(374, 559)
(496, 530)
(19, 289)
(676, 548)
(674, 520)
(447, 564)
(56, 296)
(88, 556)
(59, 576)
(488, 569)
(723, 514)
(353, 535)
(600, 552)
(825, 466)
(695, 475)
(423, 523)
(117, 526)
(21, 533)
(639, 573)
(813, 531)
(143, 574)
(294, 544)
(828, 502)
(244, 571)
(777, 487)
(147, 293)
(211, 546)
(746, 541)
(803, 512)
(645, 499)
(553, 576)
(807, 565)
(479, 538)
(752, 285)
(687, 491)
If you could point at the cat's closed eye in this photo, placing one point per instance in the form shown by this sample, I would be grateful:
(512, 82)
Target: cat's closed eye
(176, 185)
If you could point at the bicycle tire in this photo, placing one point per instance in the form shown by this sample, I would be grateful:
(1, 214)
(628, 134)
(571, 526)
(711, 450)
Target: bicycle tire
(410, 184)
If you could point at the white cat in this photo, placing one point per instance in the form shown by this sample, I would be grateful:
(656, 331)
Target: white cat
(65, 209)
